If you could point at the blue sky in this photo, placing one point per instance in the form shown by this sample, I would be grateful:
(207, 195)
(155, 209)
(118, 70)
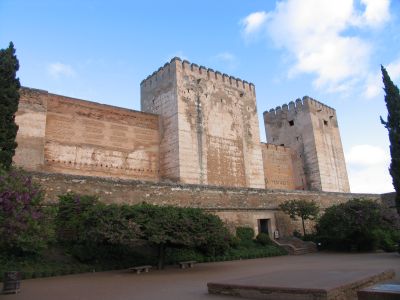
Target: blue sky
(329, 50)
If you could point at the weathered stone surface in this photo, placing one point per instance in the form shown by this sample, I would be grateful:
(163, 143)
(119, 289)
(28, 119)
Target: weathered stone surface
(31, 119)
(281, 168)
(60, 134)
(311, 129)
(237, 206)
(199, 127)
(210, 129)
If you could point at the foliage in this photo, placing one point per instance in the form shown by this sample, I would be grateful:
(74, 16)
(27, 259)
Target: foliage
(255, 250)
(392, 99)
(306, 210)
(175, 255)
(245, 234)
(94, 230)
(263, 239)
(24, 221)
(358, 224)
(168, 226)
(9, 99)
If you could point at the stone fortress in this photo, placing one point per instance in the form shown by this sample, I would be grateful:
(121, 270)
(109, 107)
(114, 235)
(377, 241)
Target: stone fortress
(196, 126)
(195, 142)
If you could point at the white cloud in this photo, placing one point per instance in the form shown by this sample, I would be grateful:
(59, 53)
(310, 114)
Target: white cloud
(367, 155)
(374, 84)
(374, 179)
(254, 22)
(368, 169)
(376, 12)
(57, 70)
(316, 35)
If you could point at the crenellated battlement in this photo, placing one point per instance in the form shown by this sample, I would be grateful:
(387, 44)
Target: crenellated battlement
(197, 71)
(276, 148)
(160, 74)
(298, 105)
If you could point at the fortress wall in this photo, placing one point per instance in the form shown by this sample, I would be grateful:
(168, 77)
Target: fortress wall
(278, 167)
(158, 96)
(218, 128)
(86, 138)
(31, 119)
(237, 206)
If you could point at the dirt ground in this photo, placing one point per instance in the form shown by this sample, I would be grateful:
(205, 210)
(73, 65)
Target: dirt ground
(174, 283)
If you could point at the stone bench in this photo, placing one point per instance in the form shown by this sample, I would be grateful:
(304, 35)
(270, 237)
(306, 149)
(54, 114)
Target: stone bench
(187, 264)
(140, 269)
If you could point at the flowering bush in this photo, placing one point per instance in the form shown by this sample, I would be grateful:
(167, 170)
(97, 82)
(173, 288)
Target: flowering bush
(24, 226)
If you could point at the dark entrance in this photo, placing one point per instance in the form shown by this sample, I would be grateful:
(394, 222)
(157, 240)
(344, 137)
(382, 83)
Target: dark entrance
(263, 225)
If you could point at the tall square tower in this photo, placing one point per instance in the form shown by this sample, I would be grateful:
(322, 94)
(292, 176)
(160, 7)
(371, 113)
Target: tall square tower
(311, 129)
(209, 125)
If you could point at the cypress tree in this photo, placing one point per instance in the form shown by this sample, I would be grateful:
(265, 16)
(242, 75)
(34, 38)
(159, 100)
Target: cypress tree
(392, 99)
(9, 99)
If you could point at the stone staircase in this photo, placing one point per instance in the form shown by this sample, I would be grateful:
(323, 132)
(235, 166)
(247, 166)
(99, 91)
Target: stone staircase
(296, 246)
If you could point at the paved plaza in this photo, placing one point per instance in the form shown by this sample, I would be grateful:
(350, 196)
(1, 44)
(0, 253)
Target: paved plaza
(174, 283)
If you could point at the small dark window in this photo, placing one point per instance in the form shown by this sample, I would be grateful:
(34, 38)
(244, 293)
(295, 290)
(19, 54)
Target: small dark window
(325, 122)
(283, 145)
(291, 123)
(297, 138)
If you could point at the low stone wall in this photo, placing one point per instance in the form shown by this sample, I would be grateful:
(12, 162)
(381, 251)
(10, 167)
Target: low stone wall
(237, 206)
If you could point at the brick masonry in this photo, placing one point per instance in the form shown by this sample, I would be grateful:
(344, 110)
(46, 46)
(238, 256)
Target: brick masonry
(311, 129)
(66, 135)
(210, 129)
(236, 206)
(199, 128)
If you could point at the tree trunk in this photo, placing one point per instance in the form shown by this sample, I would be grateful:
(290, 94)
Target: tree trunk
(304, 228)
(161, 256)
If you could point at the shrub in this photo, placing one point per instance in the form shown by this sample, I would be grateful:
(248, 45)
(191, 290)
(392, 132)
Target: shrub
(175, 255)
(358, 225)
(24, 221)
(245, 234)
(168, 226)
(92, 230)
(263, 239)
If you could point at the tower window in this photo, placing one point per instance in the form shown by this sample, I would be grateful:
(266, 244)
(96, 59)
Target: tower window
(325, 122)
(283, 145)
(291, 123)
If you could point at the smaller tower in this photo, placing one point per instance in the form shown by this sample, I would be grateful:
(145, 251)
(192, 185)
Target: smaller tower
(311, 129)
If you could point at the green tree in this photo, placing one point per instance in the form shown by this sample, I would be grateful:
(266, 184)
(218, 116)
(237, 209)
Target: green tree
(306, 210)
(9, 99)
(90, 229)
(359, 224)
(168, 226)
(392, 99)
